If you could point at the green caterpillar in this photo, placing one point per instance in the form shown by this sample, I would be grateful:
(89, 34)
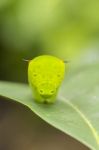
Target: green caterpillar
(45, 74)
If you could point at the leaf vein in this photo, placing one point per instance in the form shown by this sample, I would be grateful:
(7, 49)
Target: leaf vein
(87, 121)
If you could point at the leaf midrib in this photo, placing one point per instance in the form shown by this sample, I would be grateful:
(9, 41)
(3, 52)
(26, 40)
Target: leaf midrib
(86, 120)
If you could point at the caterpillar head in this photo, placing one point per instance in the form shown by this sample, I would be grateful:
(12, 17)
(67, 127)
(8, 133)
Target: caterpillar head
(46, 90)
(45, 74)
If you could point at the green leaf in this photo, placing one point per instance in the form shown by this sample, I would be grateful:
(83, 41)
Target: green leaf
(76, 111)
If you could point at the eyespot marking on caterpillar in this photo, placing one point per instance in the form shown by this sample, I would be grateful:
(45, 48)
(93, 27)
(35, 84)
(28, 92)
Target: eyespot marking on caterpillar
(58, 75)
(41, 91)
(34, 75)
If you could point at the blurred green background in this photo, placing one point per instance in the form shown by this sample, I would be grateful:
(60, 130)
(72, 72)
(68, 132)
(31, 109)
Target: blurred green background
(28, 28)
